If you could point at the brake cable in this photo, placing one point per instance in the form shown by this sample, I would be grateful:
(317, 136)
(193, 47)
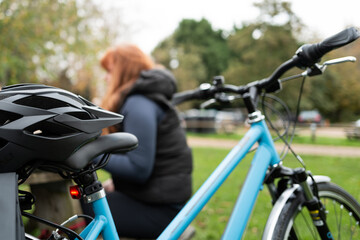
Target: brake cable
(288, 144)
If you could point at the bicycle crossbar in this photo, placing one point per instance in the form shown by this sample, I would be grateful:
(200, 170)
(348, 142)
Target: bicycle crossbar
(265, 156)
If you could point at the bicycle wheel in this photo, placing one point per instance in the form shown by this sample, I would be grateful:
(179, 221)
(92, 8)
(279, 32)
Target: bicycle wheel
(342, 216)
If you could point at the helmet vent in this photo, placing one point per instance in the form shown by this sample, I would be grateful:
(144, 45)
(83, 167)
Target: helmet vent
(80, 115)
(41, 102)
(7, 117)
(3, 143)
(5, 95)
(49, 129)
(74, 97)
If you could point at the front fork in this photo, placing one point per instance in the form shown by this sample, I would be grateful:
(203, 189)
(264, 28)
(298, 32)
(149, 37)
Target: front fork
(312, 201)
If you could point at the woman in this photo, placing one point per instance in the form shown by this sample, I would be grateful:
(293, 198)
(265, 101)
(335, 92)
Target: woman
(151, 183)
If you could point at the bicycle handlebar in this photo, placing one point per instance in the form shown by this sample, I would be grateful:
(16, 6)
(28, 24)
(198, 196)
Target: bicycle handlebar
(311, 53)
(187, 95)
(306, 56)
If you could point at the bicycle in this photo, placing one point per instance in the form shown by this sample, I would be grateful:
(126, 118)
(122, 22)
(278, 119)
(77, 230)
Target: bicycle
(304, 190)
(291, 189)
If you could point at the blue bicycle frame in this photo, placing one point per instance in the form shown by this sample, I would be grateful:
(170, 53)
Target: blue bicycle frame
(265, 156)
(103, 222)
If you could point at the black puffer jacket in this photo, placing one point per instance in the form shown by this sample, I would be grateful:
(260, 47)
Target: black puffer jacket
(170, 181)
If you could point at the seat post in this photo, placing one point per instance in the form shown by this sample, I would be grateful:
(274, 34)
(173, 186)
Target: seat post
(90, 187)
(94, 194)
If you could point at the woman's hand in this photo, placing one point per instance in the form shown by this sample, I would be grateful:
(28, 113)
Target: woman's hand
(109, 185)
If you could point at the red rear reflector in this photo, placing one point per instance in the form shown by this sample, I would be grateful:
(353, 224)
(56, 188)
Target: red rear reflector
(75, 192)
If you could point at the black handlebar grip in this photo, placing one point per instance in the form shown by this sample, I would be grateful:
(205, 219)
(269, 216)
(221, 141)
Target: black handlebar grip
(341, 39)
(185, 96)
(309, 54)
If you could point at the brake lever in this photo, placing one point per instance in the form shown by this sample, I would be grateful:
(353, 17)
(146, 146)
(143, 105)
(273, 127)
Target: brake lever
(314, 70)
(221, 98)
(340, 60)
(207, 103)
(318, 69)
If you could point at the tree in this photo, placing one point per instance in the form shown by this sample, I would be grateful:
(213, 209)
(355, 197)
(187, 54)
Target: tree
(198, 50)
(199, 36)
(253, 51)
(258, 48)
(51, 41)
(336, 93)
(278, 13)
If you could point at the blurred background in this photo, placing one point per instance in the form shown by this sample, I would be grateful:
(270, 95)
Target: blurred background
(59, 43)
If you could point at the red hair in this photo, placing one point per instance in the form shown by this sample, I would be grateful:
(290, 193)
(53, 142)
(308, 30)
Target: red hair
(124, 63)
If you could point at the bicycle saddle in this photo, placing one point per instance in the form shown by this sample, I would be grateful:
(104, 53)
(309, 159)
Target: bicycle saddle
(111, 143)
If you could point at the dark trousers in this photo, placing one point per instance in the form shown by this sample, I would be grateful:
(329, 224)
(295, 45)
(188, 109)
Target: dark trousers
(135, 219)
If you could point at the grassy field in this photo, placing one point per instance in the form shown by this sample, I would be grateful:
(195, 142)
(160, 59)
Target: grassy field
(297, 139)
(213, 218)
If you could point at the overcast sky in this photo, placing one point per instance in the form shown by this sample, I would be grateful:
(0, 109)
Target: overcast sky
(153, 20)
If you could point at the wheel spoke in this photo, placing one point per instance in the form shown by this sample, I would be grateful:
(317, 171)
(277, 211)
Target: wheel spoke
(336, 217)
(350, 225)
(342, 216)
(339, 226)
(309, 225)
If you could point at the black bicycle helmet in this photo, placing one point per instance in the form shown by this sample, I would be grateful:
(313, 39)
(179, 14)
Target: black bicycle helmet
(43, 124)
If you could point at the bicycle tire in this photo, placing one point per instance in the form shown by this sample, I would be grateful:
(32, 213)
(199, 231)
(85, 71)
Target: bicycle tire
(294, 221)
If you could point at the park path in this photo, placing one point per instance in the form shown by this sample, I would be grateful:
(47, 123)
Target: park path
(298, 148)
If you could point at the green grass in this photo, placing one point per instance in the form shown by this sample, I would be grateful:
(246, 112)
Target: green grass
(297, 139)
(103, 175)
(326, 141)
(212, 220)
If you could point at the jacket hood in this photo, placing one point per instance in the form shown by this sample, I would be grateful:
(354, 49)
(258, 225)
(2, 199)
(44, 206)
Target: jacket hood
(153, 81)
